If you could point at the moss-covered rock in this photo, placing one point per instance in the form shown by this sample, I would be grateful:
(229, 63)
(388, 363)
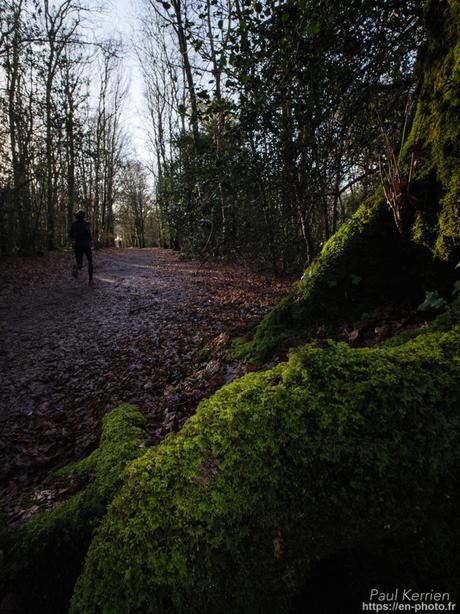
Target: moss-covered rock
(336, 448)
(48, 550)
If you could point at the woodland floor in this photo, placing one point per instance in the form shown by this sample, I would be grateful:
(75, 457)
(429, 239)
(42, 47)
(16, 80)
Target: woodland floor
(149, 333)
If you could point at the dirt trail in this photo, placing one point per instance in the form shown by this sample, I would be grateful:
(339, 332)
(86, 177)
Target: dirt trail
(69, 353)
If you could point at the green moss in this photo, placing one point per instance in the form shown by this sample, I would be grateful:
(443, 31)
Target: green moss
(49, 549)
(277, 471)
(435, 134)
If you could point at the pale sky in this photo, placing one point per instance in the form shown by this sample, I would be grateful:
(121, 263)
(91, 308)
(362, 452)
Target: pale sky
(120, 18)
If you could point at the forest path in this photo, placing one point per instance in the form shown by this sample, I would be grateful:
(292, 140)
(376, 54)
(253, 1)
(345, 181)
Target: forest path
(69, 352)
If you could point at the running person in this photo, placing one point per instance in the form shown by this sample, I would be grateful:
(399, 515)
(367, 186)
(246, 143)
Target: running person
(80, 234)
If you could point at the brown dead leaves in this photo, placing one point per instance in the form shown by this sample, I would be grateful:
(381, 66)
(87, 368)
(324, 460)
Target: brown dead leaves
(70, 353)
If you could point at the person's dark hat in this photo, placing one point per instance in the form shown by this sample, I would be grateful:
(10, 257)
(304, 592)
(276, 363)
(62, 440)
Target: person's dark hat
(79, 214)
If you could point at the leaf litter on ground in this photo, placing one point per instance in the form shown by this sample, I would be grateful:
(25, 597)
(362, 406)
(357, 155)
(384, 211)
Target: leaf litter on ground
(153, 332)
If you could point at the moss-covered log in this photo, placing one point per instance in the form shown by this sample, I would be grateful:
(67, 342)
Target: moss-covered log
(338, 447)
(47, 551)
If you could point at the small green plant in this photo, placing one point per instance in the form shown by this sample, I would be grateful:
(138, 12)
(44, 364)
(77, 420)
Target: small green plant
(432, 302)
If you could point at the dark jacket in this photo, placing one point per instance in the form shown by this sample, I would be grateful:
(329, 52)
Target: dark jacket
(80, 231)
